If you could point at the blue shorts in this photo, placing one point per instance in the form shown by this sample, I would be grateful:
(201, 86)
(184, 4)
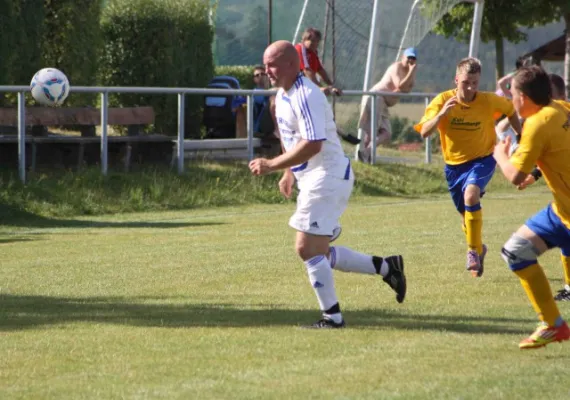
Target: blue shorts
(476, 172)
(550, 228)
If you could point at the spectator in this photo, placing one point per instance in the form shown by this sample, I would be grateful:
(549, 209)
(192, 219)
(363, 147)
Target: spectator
(399, 77)
(504, 84)
(263, 106)
(311, 64)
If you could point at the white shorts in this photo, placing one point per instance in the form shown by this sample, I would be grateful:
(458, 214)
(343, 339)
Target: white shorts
(320, 204)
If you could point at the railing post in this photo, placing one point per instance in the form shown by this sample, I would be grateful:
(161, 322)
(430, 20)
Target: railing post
(428, 139)
(180, 141)
(250, 127)
(104, 119)
(22, 136)
(373, 128)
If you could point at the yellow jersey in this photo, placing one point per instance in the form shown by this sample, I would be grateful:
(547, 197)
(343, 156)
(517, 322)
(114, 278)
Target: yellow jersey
(545, 141)
(467, 132)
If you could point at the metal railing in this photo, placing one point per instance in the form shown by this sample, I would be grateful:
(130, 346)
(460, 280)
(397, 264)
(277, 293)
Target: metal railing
(181, 93)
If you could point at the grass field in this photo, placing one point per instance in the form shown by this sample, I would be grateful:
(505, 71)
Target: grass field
(207, 303)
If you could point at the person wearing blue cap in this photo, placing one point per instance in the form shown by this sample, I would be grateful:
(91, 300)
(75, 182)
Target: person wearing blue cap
(399, 77)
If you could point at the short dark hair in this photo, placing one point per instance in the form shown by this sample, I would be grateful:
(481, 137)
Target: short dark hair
(312, 34)
(534, 83)
(259, 66)
(519, 63)
(558, 84)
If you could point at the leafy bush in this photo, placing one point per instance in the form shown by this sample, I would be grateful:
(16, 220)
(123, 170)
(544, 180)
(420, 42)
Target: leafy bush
(160, 43)
(403, 131)
(64, 34)
(243, 73)
(73, 44)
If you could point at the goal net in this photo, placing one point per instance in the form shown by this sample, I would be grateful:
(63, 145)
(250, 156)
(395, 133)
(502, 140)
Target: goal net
(345, 25)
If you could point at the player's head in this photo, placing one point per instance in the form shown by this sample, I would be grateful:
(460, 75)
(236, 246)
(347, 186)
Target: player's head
(281, 63)
(311, 38)
(531, 90)
(467, 76)
(558, 87)
(260, 76)
(409, 57)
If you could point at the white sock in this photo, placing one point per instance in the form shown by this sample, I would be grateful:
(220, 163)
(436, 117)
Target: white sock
(321, 278)
(348, 260)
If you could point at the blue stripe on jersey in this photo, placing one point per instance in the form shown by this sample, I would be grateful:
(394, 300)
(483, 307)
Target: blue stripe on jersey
(305, 111)
(300, 167)
(305, 102)
(347, 172)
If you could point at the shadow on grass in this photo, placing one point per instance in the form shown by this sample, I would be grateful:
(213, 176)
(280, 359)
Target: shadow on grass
(12, 216)
(29, 312)
(15, 240)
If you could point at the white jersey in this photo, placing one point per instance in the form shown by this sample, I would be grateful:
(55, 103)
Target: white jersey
(303, 112)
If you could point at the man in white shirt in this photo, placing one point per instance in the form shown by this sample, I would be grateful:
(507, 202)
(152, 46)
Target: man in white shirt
(314, 158)
(399, 77)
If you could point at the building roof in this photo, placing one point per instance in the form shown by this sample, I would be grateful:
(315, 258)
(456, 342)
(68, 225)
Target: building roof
(550, 51)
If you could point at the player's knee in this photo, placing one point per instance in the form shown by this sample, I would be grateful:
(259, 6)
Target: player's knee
(519, 252)
(472, 195)
(303, 250)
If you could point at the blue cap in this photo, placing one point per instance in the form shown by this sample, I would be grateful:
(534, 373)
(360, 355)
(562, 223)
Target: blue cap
(410, 52)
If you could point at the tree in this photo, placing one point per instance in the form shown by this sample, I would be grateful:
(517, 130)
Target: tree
(501, 20)
(546, 11)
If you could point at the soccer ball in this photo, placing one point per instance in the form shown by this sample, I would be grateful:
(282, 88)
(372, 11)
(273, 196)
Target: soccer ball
(49, 87)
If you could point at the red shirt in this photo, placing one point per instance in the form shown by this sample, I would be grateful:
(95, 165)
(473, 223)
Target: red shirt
(309, 59)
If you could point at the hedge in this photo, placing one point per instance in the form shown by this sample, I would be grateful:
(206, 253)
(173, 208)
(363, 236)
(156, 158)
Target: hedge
(161, 43)
(243, 73)
(64, 34)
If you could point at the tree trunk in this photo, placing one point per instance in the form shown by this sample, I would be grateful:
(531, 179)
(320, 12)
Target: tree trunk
(499, 59)
(567, 56)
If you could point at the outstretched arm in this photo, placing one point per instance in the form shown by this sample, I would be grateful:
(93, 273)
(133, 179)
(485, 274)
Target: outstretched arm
(430, 125)
(505, 84)
(406, 84)
(302, 152)
(501, 155)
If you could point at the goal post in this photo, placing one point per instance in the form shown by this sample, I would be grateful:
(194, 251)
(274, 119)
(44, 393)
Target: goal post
(367, 37)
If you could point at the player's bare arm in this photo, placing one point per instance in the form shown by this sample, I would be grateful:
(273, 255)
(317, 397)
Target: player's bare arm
(406, 84)
(286, 183)
(504, 84)
(430, 126)
(301, 153)
(501, 155)
(329, 82)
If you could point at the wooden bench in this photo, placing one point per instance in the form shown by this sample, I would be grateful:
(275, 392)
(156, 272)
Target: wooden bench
(219, 149)
(226, 149)
(133, 117)
(85, 119)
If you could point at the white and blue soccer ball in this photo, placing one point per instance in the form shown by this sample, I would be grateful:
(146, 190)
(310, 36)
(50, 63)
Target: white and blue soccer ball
(50, 87)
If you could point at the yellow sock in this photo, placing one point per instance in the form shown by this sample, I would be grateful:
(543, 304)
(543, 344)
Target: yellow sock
(566, 268)
(474, 227)
(538, 290)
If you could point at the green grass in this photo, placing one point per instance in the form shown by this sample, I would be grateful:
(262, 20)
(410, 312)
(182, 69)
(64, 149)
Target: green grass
(87, 192)
(207, 302)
